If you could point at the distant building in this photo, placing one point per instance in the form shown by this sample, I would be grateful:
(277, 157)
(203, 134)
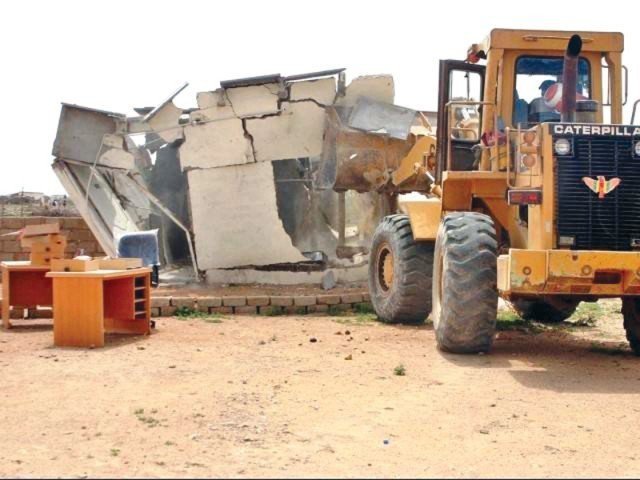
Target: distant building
(29, 197)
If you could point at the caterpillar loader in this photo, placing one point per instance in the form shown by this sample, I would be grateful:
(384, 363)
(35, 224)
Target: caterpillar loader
(523, 192)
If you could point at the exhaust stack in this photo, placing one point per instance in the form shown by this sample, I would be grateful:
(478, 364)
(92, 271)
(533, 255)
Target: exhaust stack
(570, 79)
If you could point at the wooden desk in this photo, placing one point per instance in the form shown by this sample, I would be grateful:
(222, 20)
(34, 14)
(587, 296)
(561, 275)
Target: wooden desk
(86, 305)
(24, 286)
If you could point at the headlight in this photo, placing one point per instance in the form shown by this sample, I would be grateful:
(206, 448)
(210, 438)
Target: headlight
(528, 161)
(562, 146)
(528, 138)
(636, 148)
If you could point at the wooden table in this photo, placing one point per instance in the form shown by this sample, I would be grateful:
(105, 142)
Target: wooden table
(86, 305)
(24, 286)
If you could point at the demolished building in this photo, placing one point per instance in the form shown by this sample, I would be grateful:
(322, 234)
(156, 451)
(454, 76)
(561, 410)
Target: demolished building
(237, 185)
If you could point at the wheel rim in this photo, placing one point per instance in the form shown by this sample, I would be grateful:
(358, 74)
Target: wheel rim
(385, 268)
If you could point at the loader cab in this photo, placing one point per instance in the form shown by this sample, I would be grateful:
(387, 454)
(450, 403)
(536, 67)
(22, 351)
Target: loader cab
(519, 73)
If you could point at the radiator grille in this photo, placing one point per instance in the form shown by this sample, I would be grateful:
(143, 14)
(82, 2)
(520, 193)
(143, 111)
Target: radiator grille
(610, 223)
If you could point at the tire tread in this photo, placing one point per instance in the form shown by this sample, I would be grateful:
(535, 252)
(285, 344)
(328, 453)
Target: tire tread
(410, 300)
(467, 241)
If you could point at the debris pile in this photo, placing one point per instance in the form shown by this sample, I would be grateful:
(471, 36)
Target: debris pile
(231, 184)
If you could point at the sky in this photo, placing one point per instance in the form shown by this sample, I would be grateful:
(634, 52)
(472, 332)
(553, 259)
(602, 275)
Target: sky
(118, 55)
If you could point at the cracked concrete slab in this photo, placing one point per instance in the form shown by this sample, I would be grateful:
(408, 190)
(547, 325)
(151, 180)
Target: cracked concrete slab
(82, 130)
(165, 123)
(113, 153)
(239, 102)
(376, 87)
(211, 114)
(254, 101)
(215, 144)
(117, 158)
(322, 91)
(295, 133)
(235, 218)
(210, 99)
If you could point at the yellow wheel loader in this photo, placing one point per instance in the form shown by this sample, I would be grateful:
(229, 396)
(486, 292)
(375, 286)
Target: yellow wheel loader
(529, 189)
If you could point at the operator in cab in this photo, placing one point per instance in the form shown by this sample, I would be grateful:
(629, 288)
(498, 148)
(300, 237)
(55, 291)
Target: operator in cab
(539, 110)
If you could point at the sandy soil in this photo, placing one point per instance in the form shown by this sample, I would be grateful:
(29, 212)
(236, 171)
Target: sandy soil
(255, 396)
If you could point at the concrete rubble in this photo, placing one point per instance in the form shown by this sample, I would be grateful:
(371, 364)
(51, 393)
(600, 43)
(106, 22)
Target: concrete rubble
(229, 183)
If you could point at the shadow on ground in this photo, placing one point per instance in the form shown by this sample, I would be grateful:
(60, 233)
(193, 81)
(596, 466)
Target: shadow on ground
(558, 361)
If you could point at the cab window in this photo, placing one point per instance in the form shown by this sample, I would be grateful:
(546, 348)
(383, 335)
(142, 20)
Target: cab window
(465, 87)
(538, 89)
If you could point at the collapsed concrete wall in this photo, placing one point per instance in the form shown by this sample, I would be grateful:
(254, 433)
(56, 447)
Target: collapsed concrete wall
(235, 218)
(229, 183)
(281, 124)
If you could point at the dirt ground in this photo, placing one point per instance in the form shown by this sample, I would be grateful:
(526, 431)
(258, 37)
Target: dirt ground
(257, 397)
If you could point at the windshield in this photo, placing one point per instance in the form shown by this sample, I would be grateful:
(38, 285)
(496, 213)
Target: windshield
(538, 92)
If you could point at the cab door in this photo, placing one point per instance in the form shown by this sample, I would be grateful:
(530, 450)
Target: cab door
(460, 95)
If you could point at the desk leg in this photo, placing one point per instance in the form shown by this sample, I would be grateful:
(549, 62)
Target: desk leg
(6, 305)
(78, 312)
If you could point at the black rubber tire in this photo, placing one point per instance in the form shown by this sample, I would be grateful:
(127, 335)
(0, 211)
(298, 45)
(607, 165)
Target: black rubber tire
(407, 299)
(465, 293)
(549, 309)
(631, 315)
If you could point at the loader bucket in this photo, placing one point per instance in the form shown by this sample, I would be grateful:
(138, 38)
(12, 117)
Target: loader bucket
(357, 160)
